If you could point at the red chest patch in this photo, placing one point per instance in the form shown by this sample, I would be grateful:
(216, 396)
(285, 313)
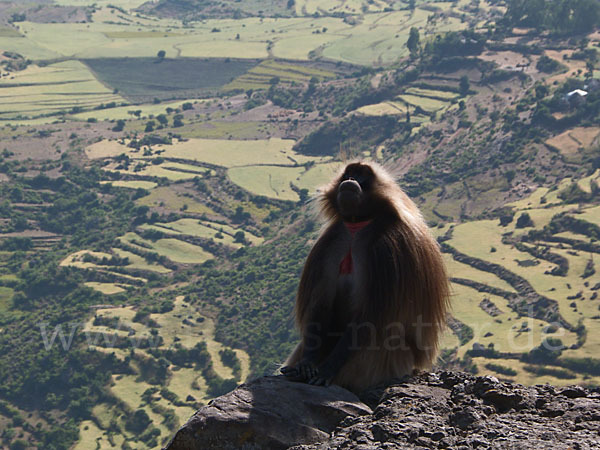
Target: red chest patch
(346, 266)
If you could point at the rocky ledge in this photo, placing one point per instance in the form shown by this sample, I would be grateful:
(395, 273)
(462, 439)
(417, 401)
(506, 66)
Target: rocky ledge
(445, 410)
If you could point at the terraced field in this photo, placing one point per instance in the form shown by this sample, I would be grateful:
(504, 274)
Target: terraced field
(174, 249)
(418, 103)
(60, 87)
(270, 168)
(259, 77)
(572, 143)
(378, 37)
(496, 286)
(221, 233)
(136, 257)
(181, 327)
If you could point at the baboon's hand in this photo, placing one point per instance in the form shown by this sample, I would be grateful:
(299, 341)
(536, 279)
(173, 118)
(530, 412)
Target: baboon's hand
(323, 377)
(305, 370)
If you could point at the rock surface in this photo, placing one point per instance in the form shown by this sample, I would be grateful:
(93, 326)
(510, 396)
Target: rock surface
(445, 410)
(268, 413)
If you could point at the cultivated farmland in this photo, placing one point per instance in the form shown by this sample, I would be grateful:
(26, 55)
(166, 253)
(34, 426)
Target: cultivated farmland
(61, 87)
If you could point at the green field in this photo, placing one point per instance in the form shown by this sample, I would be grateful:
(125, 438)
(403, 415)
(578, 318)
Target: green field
(174, 249)
(39, 91)
(126, 112)
(269, 181)
(105, 288)
(378, 38)
(383, 109)
(133, 184)
(203, 229)
(225, 153)
(259, 77)
(169, 170)
(429, 105)
(432, 93)
(279, 182)
(166, 197)
(381, 38)
(429, 100)
(136, 262)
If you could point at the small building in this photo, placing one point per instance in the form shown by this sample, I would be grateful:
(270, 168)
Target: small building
(576, 97)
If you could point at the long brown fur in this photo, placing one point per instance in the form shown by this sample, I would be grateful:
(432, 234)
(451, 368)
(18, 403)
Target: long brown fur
(399, 278)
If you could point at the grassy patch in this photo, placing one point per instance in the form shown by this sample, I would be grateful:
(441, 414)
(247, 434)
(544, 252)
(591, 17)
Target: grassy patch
(429, 105)
(105, 288)
(221, 130)
(269, 181)
(585, 184)
(441, 95)
(384, 109)
(92, 437)
(174, 249)
(317, 175)
(133, 184)
(219, 152)
(77, 259)
(168, 198)
(591, 215)
(169, 170)
(139, 263)
(381, 38)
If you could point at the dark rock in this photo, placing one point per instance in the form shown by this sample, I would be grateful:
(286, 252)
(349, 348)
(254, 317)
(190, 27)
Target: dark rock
(268, 413)
(573, 392)
(445, 410)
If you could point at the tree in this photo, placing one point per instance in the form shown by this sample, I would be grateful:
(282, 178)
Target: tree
(524, 220)
(138, 422)
(414, 41)
(161, 54)
(119, 125)
(465, 85)
(162, 119)
(178, 120)
(412, 4)
(150, 126)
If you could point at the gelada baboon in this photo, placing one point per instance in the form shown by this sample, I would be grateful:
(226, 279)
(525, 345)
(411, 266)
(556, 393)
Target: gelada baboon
(373, 296)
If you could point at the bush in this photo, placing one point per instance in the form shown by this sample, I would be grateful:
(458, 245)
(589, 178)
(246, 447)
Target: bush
(499, 368)
(548, 65)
